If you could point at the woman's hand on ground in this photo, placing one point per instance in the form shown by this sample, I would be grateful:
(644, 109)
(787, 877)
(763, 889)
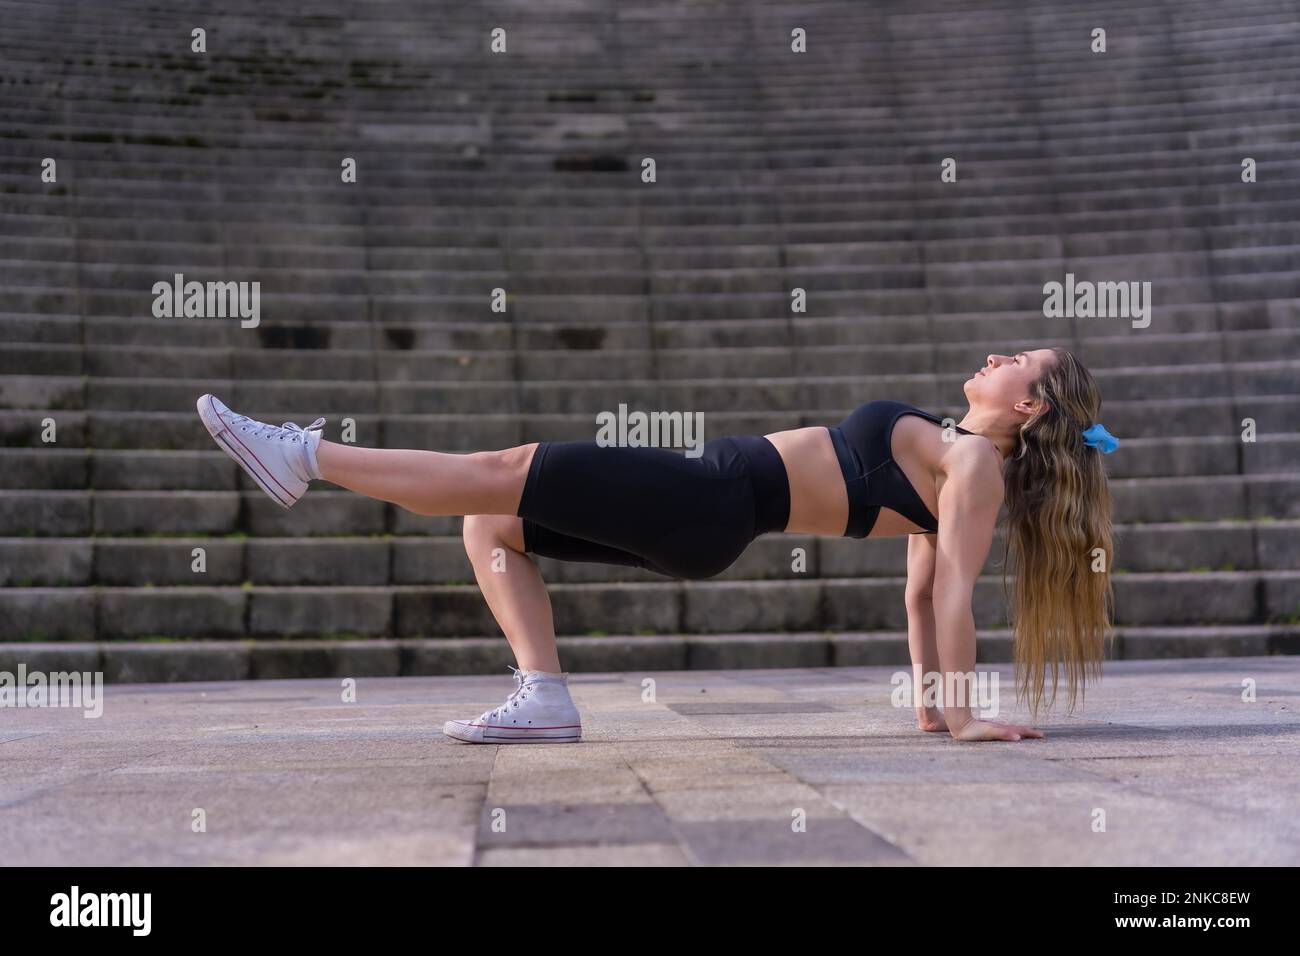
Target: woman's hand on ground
(977, 730)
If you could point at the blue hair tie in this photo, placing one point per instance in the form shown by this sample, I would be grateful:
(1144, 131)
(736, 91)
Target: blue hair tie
(1096, 436)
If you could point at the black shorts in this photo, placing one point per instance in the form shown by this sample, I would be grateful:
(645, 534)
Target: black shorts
(654, 508)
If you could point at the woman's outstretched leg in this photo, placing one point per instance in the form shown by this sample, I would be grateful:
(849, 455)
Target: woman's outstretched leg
(431, 482)
(283, 459)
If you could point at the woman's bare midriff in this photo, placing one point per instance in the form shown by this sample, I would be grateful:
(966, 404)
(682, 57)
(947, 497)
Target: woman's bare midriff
(819, 502)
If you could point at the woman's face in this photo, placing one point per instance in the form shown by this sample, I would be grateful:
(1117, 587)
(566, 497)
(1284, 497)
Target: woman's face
(1005, 379)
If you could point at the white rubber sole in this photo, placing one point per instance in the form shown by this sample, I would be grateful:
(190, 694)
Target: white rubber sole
(242, 455)
(464, 731)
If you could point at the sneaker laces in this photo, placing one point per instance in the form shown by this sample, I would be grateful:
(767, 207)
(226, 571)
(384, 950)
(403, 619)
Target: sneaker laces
(294, 433)
(513, 700)
(287, 430)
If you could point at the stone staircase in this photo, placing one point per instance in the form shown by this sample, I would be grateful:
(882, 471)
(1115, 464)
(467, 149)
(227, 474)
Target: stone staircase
(522, 171)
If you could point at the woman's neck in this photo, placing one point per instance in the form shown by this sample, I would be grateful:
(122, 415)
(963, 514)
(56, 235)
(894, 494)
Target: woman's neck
(1001, 435)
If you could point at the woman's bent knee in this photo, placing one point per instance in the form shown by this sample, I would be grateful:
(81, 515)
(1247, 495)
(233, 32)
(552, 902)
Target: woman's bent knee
(491, 530)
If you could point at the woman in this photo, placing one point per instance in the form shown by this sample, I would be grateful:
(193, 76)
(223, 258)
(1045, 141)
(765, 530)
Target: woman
(885, 470)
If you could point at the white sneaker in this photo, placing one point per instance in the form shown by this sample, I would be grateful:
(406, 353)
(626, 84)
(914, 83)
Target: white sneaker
(539, 711)
(280, 459)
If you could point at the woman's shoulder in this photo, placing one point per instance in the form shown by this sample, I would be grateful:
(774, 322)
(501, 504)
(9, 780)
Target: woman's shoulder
(970, 465)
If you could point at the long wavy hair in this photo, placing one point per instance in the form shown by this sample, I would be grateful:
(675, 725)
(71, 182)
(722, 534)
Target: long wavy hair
(1059, 536)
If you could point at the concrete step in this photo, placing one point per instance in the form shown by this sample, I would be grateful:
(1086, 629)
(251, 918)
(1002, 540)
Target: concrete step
(948, 338)
(988, 198)
(827, 604)
(57, 468)
(76, 512)
(617, 252)
(576, 397)
(160, 661)
(440, 559)
(664, 364)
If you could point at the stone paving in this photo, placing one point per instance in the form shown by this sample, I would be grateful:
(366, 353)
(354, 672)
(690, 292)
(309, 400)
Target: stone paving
(719, 768)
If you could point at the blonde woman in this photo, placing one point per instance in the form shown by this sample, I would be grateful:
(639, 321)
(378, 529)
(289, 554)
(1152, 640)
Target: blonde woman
(1030, 440)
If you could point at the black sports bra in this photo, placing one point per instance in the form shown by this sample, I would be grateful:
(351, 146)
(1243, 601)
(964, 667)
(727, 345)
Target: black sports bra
(872, 477)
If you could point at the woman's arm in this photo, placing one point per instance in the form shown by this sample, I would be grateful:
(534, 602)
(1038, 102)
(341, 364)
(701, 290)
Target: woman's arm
(921, 644)
(968, 511)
